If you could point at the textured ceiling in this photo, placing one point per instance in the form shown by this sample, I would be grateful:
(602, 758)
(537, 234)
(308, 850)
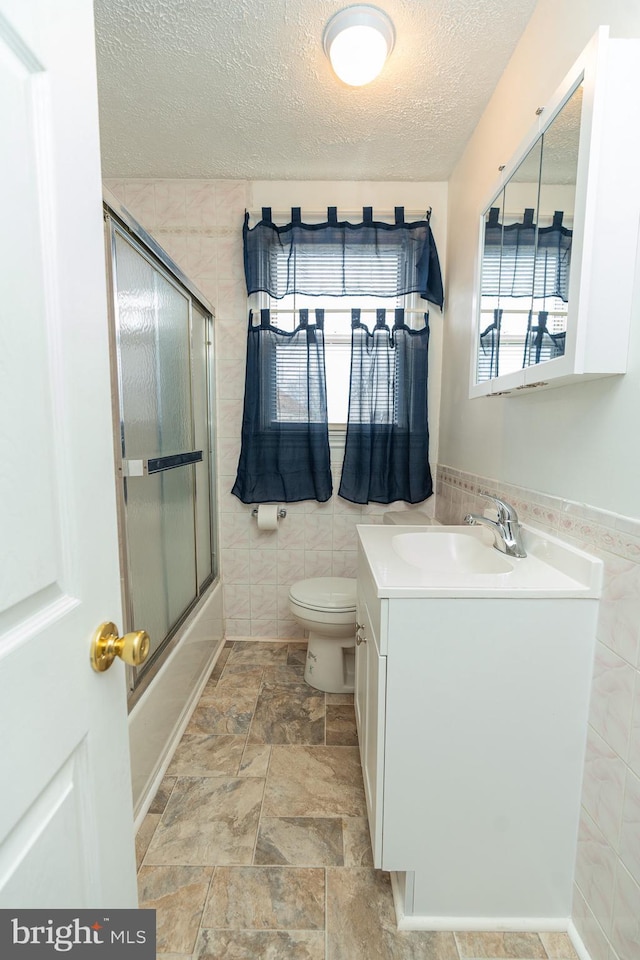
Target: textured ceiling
(241, 89)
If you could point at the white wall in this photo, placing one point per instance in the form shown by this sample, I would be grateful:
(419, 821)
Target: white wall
(577, 442)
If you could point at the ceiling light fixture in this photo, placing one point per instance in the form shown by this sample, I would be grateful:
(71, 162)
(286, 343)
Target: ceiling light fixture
(357, 41)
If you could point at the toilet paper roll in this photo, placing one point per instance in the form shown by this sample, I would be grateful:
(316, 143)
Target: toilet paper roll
(267, 516)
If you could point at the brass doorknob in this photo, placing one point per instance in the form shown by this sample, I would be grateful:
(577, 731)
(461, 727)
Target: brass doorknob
(106, 645)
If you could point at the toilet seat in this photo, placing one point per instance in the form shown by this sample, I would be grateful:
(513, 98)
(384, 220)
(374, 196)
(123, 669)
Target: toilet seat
(330, 594)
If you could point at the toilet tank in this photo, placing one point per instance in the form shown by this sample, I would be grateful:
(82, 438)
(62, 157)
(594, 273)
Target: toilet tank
(410, 517)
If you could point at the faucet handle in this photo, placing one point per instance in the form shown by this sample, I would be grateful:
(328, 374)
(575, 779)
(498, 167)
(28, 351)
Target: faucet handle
(506, 513)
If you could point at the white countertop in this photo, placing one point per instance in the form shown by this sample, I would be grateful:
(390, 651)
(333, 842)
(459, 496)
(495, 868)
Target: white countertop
(551, 568)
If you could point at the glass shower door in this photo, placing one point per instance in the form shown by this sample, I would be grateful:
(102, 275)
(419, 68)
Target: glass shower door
(157, 431)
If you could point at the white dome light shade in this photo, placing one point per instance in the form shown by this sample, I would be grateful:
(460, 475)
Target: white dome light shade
(358, 54)
(357, 41)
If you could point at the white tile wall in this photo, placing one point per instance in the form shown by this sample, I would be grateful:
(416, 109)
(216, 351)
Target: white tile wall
(606, 908)
(199, 223)
(625, 930)
(603, 785)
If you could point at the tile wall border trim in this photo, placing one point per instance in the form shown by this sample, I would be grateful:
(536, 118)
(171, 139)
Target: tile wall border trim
(580, 523)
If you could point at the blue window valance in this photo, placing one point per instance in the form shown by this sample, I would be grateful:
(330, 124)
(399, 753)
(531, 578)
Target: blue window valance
(339, 259)
(524, 259)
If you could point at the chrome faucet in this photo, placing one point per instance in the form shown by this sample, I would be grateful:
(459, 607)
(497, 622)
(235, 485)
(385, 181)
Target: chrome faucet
(506, 529)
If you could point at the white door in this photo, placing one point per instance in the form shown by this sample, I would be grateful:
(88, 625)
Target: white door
(66, 830)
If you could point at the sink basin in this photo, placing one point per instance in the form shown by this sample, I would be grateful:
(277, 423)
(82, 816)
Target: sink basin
(461, 561)
(444, 552)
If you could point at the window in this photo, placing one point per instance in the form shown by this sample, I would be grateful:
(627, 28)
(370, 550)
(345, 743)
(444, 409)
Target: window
(346, 284)
(523, 313)
(285, 314)
(511, 332)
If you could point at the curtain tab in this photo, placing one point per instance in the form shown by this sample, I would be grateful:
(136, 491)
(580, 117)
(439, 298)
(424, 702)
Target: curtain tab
(493, 220)
(381, 315)
(399, 317)
(304, 317)
(428, 214)
(296, 215)
(527, 220)
(399, 215)
(265, 318)
(332, 214)
(557, 218)
(355, 316)
(266, 214)
(367, 214)
(319, 318)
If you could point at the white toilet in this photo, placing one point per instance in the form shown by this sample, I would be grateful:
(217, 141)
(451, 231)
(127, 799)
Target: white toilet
(326, 607)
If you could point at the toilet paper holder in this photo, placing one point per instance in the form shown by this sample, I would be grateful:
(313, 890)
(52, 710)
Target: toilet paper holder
(281, 513)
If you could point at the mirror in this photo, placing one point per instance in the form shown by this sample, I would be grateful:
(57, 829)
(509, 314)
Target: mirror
(526, 254)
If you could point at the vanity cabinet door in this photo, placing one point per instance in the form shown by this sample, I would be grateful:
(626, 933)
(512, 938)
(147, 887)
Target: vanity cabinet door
(370, 699)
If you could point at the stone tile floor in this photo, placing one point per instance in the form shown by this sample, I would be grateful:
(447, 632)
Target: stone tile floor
(256, 845)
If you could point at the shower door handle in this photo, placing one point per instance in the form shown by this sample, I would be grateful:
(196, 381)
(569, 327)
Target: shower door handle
(143, 468)
(106, 645)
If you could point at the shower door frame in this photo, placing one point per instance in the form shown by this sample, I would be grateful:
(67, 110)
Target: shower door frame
(120, 221)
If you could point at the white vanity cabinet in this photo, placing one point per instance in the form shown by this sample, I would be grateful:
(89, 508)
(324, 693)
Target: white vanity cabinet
(472, 719)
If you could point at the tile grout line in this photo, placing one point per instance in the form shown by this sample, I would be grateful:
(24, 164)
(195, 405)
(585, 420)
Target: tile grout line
(325, 719)
(326, 908)
(264, 790)
(206, 900)
(160, 817)
(326, 876)
(253, 713)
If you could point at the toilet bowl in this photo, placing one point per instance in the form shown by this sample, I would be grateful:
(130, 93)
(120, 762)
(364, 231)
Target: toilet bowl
(326, 607)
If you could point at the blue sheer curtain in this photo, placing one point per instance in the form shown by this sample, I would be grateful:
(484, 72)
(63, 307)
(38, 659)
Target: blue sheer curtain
(285, 438)
(387, 444)
(539, 343)
(489, 362)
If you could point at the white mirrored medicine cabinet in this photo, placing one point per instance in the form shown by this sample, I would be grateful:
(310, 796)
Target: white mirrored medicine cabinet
(558, 238)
